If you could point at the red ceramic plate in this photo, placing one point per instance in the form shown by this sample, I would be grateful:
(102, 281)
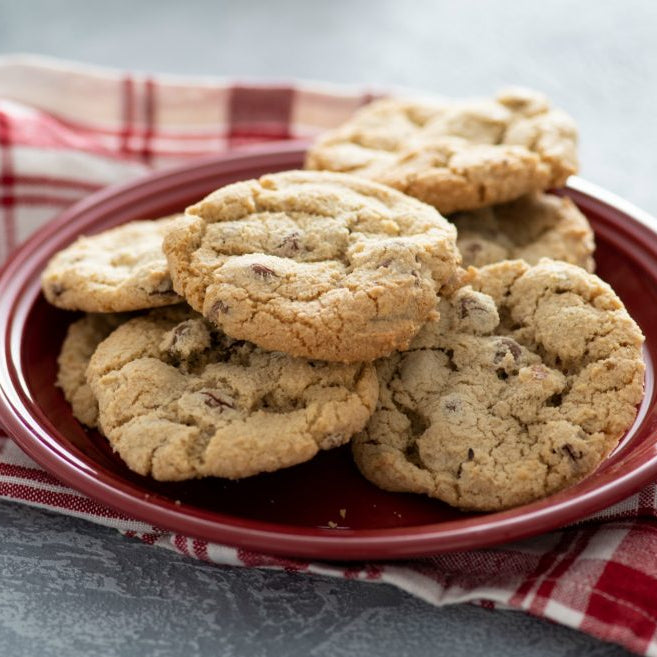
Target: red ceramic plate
(288, 512)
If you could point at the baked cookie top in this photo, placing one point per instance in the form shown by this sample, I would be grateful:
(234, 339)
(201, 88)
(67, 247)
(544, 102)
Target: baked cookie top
(178, 399)
(114, 271)
(314, 264)
(532, 227)
(528, 381)
(455, 155)
(80, 342)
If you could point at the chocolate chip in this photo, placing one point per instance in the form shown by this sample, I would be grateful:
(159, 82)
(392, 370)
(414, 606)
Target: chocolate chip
(459, 471)
(470, 453)
(505, 346)
(180, 330)
(57, 289)
(218, 399)
(290, 243)
(468, 305)
(262, 271)
(218, 307)
(177, 333)
(502, 375)
(572, 453)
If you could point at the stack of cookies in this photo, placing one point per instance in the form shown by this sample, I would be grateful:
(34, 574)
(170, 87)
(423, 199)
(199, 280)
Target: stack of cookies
(414, 291)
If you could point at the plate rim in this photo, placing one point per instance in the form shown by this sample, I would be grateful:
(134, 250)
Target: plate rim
(273, 538)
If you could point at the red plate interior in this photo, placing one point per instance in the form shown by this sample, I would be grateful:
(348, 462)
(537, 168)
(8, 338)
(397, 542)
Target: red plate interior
(289, 512)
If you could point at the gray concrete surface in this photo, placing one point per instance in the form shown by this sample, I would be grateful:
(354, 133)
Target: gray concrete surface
(70, 588)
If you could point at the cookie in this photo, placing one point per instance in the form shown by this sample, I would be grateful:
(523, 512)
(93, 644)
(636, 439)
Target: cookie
(81, 341)
(313, 264)
(526, 383)
(530, 228)
(455, 155)
(117, 270)
(178, 399)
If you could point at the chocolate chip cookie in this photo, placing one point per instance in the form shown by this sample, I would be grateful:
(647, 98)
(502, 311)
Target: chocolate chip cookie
(81, 341)
(530, 228)
(178, 399)
(313, 264)
(526, 383)
(117, 270)
(455, 155)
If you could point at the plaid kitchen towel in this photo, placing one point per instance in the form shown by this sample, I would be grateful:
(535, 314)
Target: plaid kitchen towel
(67, 130)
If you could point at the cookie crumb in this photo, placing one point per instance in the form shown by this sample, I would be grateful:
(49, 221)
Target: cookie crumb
(332, 524)
(343, 513)
(218, 307)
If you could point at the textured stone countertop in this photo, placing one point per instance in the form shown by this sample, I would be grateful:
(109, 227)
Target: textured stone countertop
(72, 588)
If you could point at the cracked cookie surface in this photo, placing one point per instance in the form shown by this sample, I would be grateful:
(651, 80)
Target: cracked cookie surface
(313, 264)
(118, 270)
(80, 342)
(455, 155)
(529, 379)
(178, 399)
(530, 228)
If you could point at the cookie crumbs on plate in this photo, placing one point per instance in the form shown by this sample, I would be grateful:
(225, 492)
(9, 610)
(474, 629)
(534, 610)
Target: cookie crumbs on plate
(343, 513)
(332, 525)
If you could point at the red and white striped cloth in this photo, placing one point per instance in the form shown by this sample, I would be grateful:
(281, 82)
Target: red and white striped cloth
(67, 130)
